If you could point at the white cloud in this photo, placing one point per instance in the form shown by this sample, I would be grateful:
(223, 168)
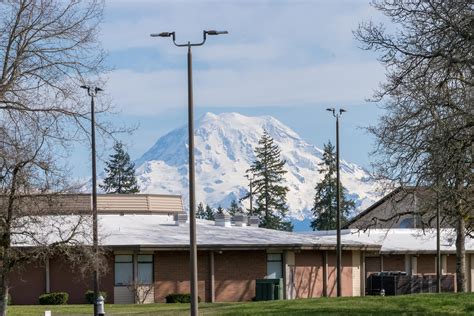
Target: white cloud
(277, 53)
(334, 83)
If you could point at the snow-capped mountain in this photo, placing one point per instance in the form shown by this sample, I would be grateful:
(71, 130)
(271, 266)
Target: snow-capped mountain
(224, 151)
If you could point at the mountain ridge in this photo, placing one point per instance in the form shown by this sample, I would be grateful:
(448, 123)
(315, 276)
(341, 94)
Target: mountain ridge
(224, 145)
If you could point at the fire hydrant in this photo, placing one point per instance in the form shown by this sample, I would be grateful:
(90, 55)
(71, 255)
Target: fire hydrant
(100, 306)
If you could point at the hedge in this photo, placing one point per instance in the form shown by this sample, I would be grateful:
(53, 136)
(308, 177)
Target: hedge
(180, 298)
(90, 296)
(58, 298)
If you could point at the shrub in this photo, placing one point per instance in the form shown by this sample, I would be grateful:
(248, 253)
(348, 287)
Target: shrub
(90, 296)
(180, 298)
(58, 298)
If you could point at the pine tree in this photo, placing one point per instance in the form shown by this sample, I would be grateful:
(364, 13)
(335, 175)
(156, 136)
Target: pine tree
(200, 213)
(269, 189)
(120, 173)
(234, 208)
(220, 210)
(324, 208)
(209, 213)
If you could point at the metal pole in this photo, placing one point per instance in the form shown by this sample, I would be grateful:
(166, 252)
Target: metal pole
(438, 246)
(251, 198)
(192, 199)
(94, 204)
(338, 215)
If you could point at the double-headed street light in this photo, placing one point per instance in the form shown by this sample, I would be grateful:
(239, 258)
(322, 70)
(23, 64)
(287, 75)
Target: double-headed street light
(92, 92)
(337, 114)
(192, 198)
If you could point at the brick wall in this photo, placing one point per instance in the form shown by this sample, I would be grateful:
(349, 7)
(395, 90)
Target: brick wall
(236, 272)
(64, 278)
(372, 265)
(172, 274)
(394, 263)
(346, 277)
(426, 264)
(451, 262)
(308, 274)
(27, 283)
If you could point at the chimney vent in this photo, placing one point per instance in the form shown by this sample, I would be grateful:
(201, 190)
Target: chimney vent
(240, 219)
(254, 221)
(222, 220)
(180, 219)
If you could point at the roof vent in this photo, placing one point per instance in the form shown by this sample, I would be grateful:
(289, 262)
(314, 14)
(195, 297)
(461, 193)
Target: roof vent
(222, 220)
(254, 221)
(180, 219)
(240, 219)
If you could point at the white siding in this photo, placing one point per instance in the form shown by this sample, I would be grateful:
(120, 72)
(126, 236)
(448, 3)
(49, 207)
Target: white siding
(356, 273)
(123, 295)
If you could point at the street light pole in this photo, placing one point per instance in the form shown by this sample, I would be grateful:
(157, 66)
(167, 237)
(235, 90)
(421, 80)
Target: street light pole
(251, 193)
(338, 205)
(92, 92)
(192, 189)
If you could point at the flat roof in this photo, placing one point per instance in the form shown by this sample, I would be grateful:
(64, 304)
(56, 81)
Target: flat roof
(402, 240)
(159, 232)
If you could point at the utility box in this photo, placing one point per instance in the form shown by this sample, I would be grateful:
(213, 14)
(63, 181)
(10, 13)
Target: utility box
(268, 289)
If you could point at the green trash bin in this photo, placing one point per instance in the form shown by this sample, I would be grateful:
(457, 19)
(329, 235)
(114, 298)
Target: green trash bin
(268, 289)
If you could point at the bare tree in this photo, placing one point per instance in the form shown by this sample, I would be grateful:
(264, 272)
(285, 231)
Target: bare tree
(48, 48)
(141, 290)
(425, 139)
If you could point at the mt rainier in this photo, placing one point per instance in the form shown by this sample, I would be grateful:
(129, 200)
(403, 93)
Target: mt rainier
(224, 151)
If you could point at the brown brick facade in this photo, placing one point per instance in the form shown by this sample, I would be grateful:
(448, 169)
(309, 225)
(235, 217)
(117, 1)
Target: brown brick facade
(171, 272)
(426, 264)
(394, 262)
(234, 274)
(29, 282)
(346, 277)
(308, 274)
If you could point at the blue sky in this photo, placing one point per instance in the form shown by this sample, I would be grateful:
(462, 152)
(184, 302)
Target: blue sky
(289, 59)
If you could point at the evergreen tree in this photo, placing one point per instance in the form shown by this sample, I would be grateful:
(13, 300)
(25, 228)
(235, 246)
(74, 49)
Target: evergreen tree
(120, 173)
(234, 208)
(324, 208)
(268, 184)
(209, 213)
(200, 212)
(220, 210)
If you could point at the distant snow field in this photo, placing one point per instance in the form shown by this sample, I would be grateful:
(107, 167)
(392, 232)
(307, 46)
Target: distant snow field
(224, 151)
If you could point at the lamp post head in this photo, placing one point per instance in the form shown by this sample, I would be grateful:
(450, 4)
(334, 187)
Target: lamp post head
(91, 91)
(341, 111)
(214, 32)
(162, 34)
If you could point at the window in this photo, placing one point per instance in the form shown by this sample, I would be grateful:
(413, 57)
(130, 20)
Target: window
(406, 223)
(145, 269)
(274, 265)
(123, 270)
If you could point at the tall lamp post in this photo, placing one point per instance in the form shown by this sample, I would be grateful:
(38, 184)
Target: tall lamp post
(250, 178)
(338, 114)
(192, 199)
(92, 92)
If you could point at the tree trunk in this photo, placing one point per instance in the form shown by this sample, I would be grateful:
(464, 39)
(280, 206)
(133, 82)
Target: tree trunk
(460, 255)
(3, 287)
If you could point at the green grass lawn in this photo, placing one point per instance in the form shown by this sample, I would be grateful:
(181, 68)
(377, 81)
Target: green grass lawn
(417, 304)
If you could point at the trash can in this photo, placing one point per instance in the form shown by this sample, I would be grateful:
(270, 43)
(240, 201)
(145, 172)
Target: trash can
(268, 289)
